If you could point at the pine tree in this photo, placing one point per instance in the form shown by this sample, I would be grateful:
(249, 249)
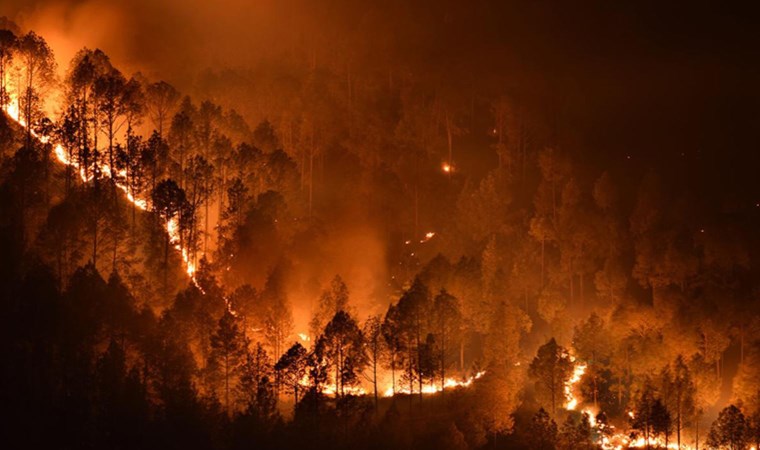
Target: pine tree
(228, 348)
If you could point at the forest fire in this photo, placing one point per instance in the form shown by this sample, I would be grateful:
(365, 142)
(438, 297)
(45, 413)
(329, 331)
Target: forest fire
(435, 387)
(378, 225)
(570, 385)
(172, 226)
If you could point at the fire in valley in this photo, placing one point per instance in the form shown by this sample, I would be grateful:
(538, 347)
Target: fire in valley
(354, 225)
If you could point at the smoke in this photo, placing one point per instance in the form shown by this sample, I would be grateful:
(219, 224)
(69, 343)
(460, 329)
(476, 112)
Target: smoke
(166, 39)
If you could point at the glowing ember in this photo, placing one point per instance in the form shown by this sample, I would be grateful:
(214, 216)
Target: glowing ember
(429, 235)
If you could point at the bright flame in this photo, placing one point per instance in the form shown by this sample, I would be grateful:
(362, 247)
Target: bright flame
(172, 227)
(428, 236)
(448, 383)
(578, 371)
(610, 440)
(446, 167)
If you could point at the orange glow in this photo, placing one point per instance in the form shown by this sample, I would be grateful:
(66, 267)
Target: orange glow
(448, 383)
(171, 227)
(615, 440)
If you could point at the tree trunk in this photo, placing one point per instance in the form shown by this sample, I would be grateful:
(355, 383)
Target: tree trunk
(374, 375)
(449, 140)
(543, 254)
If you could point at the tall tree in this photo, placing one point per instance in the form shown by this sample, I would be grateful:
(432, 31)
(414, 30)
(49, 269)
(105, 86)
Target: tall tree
(592, 344)
(681, 395)
(228, 351)
(161, 99)
(256, 387)
(448, 327)
(332, 300)
(413, 307)
(344, 349)
(8, 43)
(199, 174)
(550, 369)
(168, 199)
(110, 94)
(38, 66)
(375, 351)
(278, 321)
(291, 369)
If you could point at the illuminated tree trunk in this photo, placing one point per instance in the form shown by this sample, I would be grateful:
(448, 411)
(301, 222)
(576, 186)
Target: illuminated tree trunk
(543, 259)
(311, 179)
(419, 356)
(443, 359)
(449, 140)
(349, 86)
(374, 375)
(553, 388)
(393, 371)
(461, 355)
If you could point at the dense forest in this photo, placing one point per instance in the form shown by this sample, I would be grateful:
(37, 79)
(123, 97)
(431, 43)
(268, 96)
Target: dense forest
(362, 248)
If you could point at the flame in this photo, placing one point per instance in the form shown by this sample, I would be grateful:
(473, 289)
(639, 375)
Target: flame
(428, 236)
(446, 167)
(14, 112)
(171, 227)
(448, 383)
(610, 440)
(578, 370)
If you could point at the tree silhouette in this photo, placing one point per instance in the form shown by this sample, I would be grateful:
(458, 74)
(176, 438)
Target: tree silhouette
(228, 350)
(161, 99)
(8, 43)
(333, 300)
(550, 369)
(344, 350)
(38, 66)
(168, 199)
(291, 368)
(729, 431)
(543, 430)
